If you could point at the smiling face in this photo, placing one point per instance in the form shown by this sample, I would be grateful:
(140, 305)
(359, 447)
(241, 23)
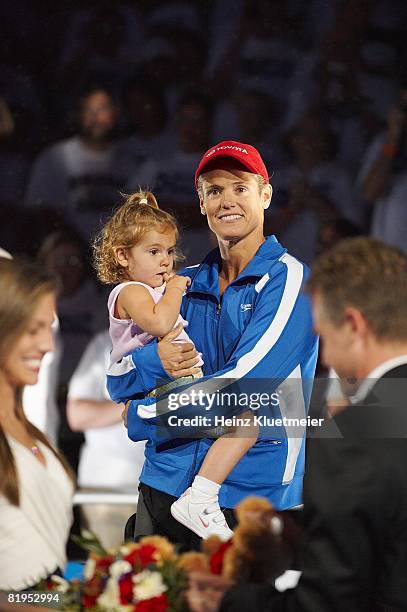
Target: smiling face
(150, 258)
(234, 202)
(22, 364)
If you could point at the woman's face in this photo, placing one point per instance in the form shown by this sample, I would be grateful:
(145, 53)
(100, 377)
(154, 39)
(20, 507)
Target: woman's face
(233, 203)
(23, 362)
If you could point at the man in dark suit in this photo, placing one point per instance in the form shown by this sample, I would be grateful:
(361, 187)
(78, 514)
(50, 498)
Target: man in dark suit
(354, 546)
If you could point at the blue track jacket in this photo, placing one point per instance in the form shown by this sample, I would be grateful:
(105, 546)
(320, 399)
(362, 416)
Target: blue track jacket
(260, 331)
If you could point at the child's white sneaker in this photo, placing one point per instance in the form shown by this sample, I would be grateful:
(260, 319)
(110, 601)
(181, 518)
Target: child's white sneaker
(201, 514)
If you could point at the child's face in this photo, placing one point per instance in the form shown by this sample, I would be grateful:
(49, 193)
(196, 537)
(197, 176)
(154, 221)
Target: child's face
(151, 258)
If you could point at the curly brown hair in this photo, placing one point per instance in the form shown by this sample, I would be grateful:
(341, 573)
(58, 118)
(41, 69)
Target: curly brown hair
(139, 213)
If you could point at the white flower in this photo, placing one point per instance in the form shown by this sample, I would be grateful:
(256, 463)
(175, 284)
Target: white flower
(89, 570)
(148, 584)
(118, 568)
(110, 598)
(62, 584)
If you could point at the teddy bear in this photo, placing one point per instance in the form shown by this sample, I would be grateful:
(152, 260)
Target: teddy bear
(257, 552)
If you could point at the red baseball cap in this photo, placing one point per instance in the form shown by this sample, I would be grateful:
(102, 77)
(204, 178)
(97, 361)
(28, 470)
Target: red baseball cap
(247, 155)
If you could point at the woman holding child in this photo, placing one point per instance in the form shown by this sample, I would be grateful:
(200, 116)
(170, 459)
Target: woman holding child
(248, 317)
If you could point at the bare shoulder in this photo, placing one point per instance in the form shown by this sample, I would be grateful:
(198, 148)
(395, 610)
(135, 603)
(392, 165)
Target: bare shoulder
(135, 291)
(133, 297)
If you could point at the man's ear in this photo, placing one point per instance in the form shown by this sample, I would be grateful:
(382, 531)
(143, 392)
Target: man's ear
(267, 196)
(356, 321)
(202, 207)
(121, 256)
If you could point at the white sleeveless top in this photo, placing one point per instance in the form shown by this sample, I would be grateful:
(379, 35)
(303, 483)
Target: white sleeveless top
(33, 535)
(125, 335)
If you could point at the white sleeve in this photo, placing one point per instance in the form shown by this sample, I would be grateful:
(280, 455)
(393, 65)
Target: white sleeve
(89, 379)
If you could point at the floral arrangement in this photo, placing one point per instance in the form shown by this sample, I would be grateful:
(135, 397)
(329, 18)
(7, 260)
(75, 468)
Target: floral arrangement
(143, 576)
(149, 576)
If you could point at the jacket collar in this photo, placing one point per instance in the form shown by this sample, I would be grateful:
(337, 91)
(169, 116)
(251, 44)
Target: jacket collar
(206, 277)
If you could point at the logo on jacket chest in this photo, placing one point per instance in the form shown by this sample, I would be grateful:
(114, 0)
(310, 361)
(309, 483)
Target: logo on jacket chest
(244, 307)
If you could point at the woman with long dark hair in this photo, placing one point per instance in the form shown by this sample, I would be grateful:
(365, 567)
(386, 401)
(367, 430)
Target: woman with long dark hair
(36, 485)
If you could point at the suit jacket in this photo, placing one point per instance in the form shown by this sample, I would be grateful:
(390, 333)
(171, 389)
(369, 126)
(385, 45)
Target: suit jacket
(354, 547)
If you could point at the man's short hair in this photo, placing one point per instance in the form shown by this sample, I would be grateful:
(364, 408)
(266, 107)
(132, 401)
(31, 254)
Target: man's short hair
(368, 275)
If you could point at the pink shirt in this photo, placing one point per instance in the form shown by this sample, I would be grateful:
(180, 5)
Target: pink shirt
(125, 335)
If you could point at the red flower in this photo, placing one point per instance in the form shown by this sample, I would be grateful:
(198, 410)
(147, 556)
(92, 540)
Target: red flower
(91, 591)
(126, 589)
(216, 560)
(89, 601)
(103, 563)
(155, 604)
(143, 556)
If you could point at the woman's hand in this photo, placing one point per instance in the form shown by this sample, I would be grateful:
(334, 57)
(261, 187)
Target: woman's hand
(124, 413)
(177, 358)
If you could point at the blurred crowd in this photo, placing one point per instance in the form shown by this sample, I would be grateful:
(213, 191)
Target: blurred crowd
(98, 98)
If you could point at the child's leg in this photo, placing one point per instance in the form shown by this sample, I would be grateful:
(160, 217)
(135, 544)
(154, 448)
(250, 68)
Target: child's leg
(227, 451)
(198, 508)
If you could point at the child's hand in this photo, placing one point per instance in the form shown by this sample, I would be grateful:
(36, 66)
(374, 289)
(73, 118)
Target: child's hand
(182, 282)
(167, 276)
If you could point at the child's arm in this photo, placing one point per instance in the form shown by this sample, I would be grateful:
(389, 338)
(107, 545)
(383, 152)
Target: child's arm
(135, 302)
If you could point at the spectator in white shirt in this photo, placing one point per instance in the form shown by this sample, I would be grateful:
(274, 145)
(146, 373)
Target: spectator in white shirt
(81, 176)
(383, 177)
(109, 460)
(81, 312)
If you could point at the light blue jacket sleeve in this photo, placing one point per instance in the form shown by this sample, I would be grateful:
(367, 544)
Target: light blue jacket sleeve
(277, 340)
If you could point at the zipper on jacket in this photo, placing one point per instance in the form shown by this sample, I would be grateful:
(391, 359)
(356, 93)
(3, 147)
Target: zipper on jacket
(218, 334)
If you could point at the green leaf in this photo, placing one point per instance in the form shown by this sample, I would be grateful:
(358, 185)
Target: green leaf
(90, 542)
